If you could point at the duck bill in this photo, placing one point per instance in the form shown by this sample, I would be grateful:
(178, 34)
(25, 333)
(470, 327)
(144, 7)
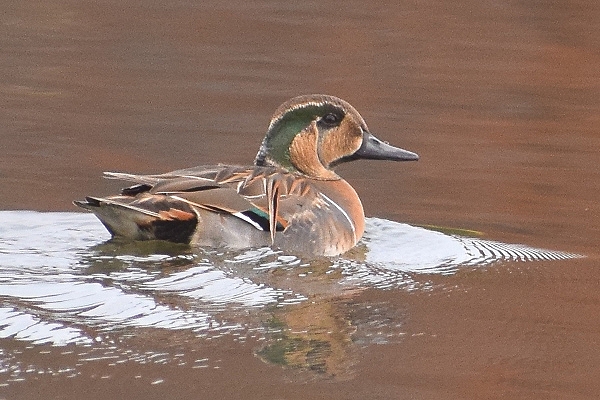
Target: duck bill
(374, 149)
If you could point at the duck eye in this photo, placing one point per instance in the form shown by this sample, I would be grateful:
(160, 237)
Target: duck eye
(330, 119)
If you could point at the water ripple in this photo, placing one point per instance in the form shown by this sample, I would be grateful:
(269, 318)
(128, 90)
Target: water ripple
(61, 284)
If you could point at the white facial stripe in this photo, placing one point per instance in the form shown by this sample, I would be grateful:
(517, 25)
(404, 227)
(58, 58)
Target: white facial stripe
(299, 106)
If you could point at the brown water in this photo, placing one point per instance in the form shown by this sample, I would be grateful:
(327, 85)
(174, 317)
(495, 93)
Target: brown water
(500, 99)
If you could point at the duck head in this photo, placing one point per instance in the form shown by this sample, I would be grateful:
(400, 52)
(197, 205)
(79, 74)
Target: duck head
(312, 134)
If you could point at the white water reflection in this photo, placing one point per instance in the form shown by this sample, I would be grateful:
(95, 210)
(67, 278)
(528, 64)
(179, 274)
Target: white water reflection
(214, 286)
(401, 247)
(27, 327)
(60, 284)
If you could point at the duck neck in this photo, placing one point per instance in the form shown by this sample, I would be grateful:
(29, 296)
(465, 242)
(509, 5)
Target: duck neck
(304, 155)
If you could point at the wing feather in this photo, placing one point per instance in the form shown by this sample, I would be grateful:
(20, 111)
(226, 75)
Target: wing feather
(261, 196)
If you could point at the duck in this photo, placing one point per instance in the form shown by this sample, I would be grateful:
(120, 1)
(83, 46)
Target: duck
(290, 199)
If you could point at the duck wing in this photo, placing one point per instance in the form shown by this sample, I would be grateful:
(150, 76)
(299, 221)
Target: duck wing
(159, 205)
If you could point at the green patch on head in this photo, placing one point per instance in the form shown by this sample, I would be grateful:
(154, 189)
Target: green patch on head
(282, 131)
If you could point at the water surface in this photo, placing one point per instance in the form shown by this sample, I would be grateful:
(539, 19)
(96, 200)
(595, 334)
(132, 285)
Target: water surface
(64, 284)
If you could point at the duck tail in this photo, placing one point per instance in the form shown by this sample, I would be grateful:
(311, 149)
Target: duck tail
(124, 216)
